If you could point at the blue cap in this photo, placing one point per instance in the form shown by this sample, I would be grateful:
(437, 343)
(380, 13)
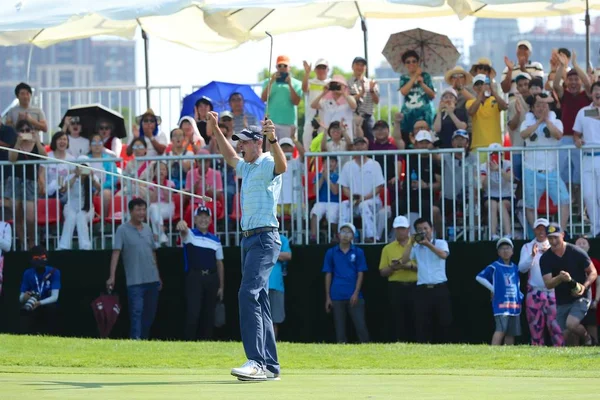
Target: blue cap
(461, 133)
(250, 133)
(203, 209)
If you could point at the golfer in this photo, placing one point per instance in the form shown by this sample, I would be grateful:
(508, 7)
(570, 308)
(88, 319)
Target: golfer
(261, 186)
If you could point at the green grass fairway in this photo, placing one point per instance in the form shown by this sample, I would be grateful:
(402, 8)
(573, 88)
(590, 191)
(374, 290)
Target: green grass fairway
(56, 368)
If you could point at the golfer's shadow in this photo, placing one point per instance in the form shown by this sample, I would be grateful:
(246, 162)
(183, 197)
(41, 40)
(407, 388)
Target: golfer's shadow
(60, 385)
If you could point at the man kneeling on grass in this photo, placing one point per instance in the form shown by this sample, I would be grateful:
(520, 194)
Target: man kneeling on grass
(502, 279)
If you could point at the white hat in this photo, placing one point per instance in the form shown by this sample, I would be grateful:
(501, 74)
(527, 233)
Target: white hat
(322, 61)
(451, 91)
(424, 135)
(495, 146)
(226, 113)
(347, 225)
(522, 74)
(401, 222)
(287, 141)
(541, 221)
(504, 241)
(525, 43)
(480, 78)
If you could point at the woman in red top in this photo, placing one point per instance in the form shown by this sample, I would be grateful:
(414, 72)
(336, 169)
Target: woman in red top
(592, 319)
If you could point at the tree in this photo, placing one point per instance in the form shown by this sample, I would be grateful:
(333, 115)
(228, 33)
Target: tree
(298, 73)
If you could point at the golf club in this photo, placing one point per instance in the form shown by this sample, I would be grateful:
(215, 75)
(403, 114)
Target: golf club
(269, 77)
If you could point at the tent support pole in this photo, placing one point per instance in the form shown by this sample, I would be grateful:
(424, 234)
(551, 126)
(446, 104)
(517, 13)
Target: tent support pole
(146, 62)
(587, 35)
(363, 25)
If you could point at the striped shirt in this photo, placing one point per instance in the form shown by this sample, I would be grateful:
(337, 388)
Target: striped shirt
(238, 122)
(201, 250)
(533, 68)
(366, 106)
(260, 192)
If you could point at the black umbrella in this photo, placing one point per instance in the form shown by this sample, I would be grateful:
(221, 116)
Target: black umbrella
(89, 114)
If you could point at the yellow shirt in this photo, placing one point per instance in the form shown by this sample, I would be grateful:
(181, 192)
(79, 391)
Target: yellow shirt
(394, 251)
(486, 123)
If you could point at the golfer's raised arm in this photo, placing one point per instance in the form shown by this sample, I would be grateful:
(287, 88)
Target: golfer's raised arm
(227, 151)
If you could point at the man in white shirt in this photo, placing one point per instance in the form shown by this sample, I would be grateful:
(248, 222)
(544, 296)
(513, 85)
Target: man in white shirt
(542, 129)
(540, 303)
(291, 197)
(362, 180)
(586, 132)
(523, 64)
(432, 297)
(312, 88)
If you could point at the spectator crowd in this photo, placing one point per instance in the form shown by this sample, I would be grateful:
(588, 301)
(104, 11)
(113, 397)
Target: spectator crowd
(416, 179)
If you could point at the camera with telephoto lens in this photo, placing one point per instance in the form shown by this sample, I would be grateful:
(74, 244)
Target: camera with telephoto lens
(419, 236)
(334, 86)
(33, 298)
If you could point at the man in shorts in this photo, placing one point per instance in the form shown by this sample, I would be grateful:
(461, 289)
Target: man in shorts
(570, 270)
(502, 279)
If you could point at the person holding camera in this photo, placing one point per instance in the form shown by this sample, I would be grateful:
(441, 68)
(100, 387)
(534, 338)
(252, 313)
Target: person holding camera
(586, 131)
(336, 104)
(569, 269)
(79, 210)
(312, 88)
(432, 297)
(449, 118)
(285, 95)
(40, 288)
(365, 92)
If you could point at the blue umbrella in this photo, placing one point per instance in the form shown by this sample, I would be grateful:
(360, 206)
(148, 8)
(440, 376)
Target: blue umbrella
(219, 93)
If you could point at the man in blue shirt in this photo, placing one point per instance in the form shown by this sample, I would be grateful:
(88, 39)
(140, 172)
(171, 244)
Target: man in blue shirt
(276, 287)
(261, 187)
(205, 274)
(328, 199)
(344, 268)
(39, 294)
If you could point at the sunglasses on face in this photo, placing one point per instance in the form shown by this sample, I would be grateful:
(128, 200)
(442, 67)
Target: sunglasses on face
(478, 83)
(104, 128)
(412, 61)
(25, 130)
(138, 147)
(97, 143)
(226, 119)
(148, 121)
(281, 66)
(485, 68)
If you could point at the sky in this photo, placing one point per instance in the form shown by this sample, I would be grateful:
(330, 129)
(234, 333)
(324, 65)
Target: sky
(172, 64)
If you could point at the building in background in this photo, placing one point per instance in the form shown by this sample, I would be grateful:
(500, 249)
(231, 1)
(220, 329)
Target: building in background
(490, 39)
(544, 40)
(82, 63)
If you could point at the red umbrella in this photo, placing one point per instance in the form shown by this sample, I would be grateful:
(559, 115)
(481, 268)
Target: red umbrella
(106, 310)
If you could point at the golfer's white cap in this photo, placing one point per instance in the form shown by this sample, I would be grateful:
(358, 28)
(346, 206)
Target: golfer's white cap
(541, 221)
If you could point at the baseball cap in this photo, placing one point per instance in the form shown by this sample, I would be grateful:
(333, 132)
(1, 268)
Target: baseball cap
(554, 230)
(522, 75)
(359, 60)
(495, 146)
(226, 114)
(361, 139)
(204, 100)
(541, 221)
(322, 61)
(381, 124)
(461, 133)
(525, 43)
(203, 209)
(480, 78)
(283, 60)
(571, 72)
(504, 241)
(287, 141)
(250, 133)
(401, 222)
(451, 91)
(347, 225)
(424, 135)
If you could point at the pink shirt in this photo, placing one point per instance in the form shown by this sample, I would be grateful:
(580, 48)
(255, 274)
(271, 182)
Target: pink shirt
(211, 179)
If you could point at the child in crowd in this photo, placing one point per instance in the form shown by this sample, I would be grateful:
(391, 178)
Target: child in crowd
(328, 198)
(502, 279)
